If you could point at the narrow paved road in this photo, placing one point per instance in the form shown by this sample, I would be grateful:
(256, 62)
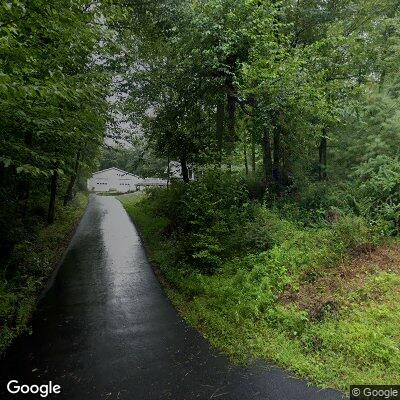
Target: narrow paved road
(105, 330)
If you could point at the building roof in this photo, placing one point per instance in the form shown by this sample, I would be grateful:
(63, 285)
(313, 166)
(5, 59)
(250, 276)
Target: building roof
(116, 169)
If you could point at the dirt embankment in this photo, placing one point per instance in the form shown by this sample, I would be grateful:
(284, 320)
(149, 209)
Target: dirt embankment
(326, 292)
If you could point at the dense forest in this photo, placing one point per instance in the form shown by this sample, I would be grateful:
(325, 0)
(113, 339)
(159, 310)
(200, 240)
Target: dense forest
(284, 247)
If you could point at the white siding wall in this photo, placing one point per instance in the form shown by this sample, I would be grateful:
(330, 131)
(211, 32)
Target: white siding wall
(116, 180)
(113, 180)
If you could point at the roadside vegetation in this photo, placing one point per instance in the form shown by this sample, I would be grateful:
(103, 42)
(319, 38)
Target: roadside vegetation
(28, 268)
(318, 297)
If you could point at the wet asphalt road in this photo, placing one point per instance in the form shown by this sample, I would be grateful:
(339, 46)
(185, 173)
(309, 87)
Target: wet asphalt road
(105, 330)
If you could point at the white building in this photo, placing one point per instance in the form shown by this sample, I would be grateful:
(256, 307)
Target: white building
(116, 180)
(146, 182)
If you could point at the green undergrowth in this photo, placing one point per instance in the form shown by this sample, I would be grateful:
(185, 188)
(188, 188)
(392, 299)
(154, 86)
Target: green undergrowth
(29, 266)
(239, 300)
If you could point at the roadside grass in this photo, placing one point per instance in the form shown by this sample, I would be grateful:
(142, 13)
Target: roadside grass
(33, 261)
(262, 305)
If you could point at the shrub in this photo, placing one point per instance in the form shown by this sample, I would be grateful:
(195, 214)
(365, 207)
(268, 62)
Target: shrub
(289, 319)
(214, 197)
(320, 197)
(8, 302)
(351, 233)
(204, 216)
(255, 187)
(378, 196)
(166, 202)
(266, 229)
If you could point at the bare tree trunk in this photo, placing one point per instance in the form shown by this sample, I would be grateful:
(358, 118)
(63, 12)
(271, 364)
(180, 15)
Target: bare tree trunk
(185, 171)
(70, 188)
(322, 173)
(53, 193)
(231, 125)
(220, 117)
(267, 157)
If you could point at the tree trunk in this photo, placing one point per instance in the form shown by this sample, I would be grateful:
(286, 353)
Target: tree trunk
(220, 117)
(246, 166)
(267, 159)
(276, 168)
(185, 171)
(231, 125)
(70, 188)
(322, 174)
(285, 168)
(53, 193)
(231, 116)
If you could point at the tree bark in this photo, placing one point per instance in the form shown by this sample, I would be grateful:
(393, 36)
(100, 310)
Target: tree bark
(267, 157)
(53, 193)
(185, 171)
(231, 102)
(220, 117)
(322, 173)
(69, 192)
